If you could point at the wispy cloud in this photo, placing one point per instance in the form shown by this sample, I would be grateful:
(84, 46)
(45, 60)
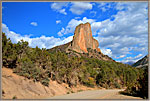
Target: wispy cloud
(59, 7)
(105, 6)
(34, 23)
(58, 21)
(72, 24)
(80, 7)
(77, 8)
(93, 13)
(133, 59)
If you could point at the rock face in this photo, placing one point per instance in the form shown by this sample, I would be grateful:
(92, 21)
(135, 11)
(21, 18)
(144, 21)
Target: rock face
(83, 44)
(83, 39)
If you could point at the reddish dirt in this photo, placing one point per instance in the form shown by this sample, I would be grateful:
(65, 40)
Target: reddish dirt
(23, 88)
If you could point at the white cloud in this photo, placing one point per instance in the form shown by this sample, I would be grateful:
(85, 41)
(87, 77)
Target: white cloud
(138, 56)
(58, 21)
(127, 32)
(80, 7)
(93, 13)
(104, 6)
(106, 51)
(121, 6)
(122, 56)
(64, 40)
(77, 18)
(60, 33)
(133, 59)
(41, 42)
(59, 7)
(121, 44)
(34, 23)
(72, 25)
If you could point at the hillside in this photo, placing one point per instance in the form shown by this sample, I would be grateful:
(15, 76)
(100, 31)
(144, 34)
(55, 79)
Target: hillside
(141, 88)
(18, 87)
(142, 62)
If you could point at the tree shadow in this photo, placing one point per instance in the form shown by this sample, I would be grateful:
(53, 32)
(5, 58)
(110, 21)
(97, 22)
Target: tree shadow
(128, 94)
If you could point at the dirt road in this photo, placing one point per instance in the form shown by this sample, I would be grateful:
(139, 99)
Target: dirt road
(96, 94)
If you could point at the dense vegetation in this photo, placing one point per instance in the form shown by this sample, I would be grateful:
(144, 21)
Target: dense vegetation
(42, 65)
(141, 86)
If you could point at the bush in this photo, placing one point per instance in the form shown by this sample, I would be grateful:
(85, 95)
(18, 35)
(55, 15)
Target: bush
(45, 82)
(90, 82)
(72, 91)
(80, 90)
(14, 97)
(3, 92)
(117, 85)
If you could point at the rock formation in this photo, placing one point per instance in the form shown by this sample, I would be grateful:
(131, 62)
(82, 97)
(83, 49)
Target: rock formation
(83, 44)
(83, 39)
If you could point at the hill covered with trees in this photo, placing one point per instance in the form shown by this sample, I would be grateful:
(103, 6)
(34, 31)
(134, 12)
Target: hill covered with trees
(141, 87)
(42, 65)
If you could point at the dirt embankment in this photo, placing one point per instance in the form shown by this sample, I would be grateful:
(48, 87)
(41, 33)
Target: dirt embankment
(15, 86)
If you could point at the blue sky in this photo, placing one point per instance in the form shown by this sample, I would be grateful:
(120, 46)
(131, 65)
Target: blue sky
(120, 27)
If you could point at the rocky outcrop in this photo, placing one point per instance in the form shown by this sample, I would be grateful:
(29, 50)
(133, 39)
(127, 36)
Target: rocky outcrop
(82, 45)
(83, 39)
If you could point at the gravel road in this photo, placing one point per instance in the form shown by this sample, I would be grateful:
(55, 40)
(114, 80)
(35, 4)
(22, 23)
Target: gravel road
(96, 94)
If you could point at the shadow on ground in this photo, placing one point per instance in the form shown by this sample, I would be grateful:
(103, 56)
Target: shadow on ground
(128, 94)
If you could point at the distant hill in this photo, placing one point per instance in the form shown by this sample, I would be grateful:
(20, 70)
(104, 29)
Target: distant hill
(142, 62)
(130, 63)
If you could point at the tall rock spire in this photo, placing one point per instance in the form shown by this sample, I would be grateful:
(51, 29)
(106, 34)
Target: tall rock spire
(83, 39)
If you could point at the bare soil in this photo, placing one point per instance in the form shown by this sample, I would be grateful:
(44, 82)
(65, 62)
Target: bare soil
(20, 87)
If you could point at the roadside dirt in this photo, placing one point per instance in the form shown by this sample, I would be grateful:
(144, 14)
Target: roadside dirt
(22, 88)
(96, 94)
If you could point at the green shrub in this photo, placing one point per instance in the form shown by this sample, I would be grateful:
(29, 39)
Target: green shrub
(117, 85)
(72, 91)
(80, 90)
(45, 82)
(14, 97)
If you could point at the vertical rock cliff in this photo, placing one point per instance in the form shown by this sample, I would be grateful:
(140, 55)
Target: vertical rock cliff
(83, 39)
